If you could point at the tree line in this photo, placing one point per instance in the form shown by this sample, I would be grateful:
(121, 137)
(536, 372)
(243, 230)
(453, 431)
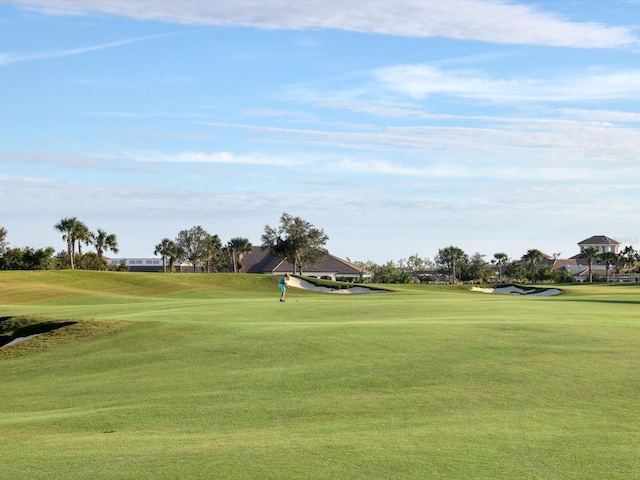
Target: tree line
(294, 240)
(75, 234)
(301, 244)
(458, 267)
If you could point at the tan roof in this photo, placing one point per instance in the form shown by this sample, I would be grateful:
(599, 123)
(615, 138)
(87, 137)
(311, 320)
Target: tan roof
(599, 240)
(260, 260)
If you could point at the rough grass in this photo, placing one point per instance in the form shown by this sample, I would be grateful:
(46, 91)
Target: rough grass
(50, 334)
(214, 378)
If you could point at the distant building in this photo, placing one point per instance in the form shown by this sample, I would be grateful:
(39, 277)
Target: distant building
(601, 243)
(138, 264)
(261, 261)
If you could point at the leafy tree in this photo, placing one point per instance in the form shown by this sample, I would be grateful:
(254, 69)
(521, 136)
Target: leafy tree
(547, 273)
(104, 241)
(62, 260)
(213, 255)
(416, 263)
(191, 245)
(608, 258)
(121, 267)
(12, 260)
(566, 276)
(27, 259)
(531, 258)
(92, 261)
(168, 249)
(591, 255)
(500, 259)
(3, 240)
(238, 247)
(515, 271)
(449, 260)
(313, 251)
(296, 241)
(477, 269)
(393, 274)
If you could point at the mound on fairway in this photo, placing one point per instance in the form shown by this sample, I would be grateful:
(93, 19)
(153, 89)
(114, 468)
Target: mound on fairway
(214, 378)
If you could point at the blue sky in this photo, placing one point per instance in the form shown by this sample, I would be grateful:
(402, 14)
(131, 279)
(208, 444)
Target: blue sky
(399, 127)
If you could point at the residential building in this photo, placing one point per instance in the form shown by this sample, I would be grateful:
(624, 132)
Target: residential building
(260, 260)
(601, 243)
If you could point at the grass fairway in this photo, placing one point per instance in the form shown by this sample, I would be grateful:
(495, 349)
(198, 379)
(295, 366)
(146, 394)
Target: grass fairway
(209, 376)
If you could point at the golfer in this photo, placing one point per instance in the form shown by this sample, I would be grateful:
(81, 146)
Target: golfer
(283, 286)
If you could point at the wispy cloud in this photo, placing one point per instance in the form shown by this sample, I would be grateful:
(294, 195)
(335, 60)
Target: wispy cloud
(218, 157)
(9, 58)
(525, 139)
(421, 81)
(602, 115)
(484, 20)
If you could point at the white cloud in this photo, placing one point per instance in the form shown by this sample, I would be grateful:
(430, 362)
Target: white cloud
(484, 20)
(218, 157)
(421, 81)
(602, 115)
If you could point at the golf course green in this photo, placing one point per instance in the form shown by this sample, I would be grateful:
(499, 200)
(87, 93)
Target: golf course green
(209, 376)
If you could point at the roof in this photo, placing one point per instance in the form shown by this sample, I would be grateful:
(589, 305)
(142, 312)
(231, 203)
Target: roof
(260, 260)
(599, 240)
(558, 263)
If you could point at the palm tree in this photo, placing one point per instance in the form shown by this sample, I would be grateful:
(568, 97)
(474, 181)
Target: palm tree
(169, 250)
(448, 259)
(591, 255)
(500, 260)
(104, 241)
(82, 235)
(239, 246)
(532, 256)
(70, 227)
(628, 256)
(608, 258)
(214, 257)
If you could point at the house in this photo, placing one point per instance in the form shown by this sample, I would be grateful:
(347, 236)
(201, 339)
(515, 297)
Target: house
(150, 264)
(579, 266)
(137, 264)
(260, 260)
(601, 243)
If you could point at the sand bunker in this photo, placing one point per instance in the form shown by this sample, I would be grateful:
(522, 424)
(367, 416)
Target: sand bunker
(20, 339)
(513, 290)
(303, 284)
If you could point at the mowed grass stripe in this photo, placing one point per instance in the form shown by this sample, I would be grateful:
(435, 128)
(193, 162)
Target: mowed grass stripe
(421, 383)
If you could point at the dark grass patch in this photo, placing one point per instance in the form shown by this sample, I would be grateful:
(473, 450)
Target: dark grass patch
(50, 333)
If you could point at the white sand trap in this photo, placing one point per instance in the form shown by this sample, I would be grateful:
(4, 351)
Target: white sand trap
(296, 282)
(513, 290)
(21, 339)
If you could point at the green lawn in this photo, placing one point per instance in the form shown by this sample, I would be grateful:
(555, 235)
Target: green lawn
(209, 376)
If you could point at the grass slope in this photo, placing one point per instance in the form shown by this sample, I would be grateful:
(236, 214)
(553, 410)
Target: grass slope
(212, 377)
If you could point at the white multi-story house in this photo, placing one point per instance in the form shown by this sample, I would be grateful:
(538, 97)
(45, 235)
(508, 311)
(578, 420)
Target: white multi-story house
(601, 243)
